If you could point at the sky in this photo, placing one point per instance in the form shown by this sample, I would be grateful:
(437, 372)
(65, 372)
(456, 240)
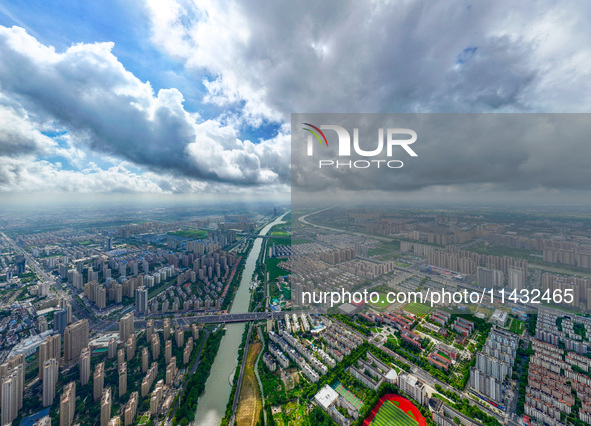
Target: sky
(162, 97)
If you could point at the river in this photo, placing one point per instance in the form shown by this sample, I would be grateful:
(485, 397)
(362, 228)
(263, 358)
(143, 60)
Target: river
(212, 404)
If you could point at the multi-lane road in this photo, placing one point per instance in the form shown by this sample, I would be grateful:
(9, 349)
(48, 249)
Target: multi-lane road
(34, 265)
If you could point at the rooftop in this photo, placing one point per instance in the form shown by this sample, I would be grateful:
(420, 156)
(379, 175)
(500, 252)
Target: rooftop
(326, 396)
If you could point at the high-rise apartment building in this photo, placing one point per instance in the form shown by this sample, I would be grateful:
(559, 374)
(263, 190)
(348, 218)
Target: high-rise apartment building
(98, 381)
(179, 335)
(126, 327)
(155, 346)
(75, 339)
(145, 360)
(84, 366)
(149, 330)
(106, 403)
(166, 328)
(49, 378)
(130, 409)
(130, 346)
(50, 348)
(141, 300)
(60, 321)
(68, 404)
(167, 351)
(489, 278)
(195, 331)
(122, 379)
(516, 278)
(12, 384)
(112, 350)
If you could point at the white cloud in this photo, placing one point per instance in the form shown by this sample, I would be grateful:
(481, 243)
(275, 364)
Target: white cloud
(27, 175)
(103, 109)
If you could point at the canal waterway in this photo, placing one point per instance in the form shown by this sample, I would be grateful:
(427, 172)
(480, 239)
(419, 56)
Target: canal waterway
(212, 404)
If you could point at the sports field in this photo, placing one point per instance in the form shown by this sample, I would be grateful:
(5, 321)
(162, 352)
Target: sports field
(348, 395)
(390, 414)
(382, 303)
(395, 410)
(417, 308)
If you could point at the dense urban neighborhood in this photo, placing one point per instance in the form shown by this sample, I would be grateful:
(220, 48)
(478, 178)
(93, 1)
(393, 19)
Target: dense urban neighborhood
(110, 319)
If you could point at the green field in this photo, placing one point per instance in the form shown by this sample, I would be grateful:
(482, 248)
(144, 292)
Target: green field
(274, 270)
(280, 234)
(516, 326)
(194, 234)
(417, 309)
(506, 251)
(382, 304)
(384, 248)
(391, 415)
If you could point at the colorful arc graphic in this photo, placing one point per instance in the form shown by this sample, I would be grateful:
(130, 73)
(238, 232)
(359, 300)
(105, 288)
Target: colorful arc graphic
(316, 134)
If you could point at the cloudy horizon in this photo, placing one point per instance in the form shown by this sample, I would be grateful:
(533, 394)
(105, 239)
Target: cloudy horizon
(171, 97)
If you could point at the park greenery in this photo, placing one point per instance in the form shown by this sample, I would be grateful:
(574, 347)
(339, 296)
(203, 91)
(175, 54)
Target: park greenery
(274, 270)
(353, 324)
(522, 361)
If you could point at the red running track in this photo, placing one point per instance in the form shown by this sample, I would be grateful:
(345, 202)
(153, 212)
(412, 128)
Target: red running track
(403, 403)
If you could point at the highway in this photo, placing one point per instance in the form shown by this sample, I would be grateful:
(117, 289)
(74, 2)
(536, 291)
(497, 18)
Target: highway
(304, 221)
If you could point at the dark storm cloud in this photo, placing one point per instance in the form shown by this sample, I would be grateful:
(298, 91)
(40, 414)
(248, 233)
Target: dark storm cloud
(12, 145)
(348, 56)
